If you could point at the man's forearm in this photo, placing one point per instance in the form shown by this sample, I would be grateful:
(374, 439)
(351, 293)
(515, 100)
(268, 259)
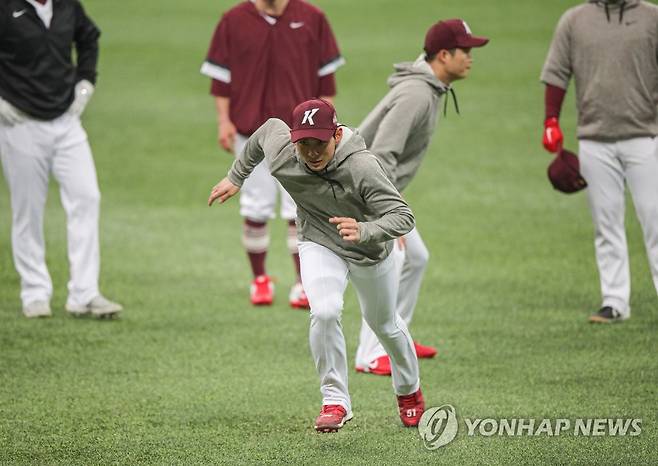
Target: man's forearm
(394, 224)
(222, 104)
(553, 98)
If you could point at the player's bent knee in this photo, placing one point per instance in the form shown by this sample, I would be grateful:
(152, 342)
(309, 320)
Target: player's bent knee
(326, 309)
(419, 259)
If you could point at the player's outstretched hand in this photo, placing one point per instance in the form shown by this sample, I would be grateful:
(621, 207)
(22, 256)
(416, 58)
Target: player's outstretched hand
(348, 228)
(227, 134)
(223, 190)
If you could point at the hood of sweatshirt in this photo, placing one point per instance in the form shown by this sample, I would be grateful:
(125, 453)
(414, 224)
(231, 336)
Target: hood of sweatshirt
(611, 7)
(417, 70)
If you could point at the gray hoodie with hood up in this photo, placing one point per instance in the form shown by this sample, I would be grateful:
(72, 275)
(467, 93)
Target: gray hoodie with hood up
(611, 50)
(398, 130)
(353, 184)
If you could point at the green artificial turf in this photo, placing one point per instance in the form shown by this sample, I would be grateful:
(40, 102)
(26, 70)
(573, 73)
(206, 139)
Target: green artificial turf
(193, 374)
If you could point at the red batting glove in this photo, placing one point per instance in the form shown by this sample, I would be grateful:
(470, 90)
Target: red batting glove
(553, 137)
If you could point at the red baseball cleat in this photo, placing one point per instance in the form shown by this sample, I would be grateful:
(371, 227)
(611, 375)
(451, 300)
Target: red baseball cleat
(423, 351)
(262, 291)
(297, 297)
(380, 366)
(331, 418)
(411, 408)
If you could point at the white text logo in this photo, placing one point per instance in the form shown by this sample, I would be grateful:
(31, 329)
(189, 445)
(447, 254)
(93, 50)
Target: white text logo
(439, 426)
(554, 427)
(308, 116)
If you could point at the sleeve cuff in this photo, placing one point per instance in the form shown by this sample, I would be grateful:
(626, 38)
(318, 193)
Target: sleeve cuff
(364, 232)
(331, 66)
(233, 178)
(553, 80)
(214, 71)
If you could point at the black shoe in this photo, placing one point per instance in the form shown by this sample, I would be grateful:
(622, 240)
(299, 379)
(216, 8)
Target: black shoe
(607, 315)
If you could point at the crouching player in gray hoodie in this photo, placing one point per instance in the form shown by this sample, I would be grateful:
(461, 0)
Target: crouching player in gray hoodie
(398, 131)
(348, 214)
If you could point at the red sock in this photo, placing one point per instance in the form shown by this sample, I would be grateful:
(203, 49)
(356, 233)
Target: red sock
(257, 261)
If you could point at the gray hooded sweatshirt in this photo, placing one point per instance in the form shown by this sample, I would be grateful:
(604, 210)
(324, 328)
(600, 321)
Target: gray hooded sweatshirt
(398, 130)
(611, 50)
(353, 184)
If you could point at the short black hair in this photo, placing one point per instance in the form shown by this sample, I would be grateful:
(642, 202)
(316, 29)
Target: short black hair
(430, 56)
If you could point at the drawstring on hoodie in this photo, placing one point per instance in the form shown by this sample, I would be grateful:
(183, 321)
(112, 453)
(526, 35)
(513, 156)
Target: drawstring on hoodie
(328, 180)
(622, 6)
(325, 178)
(454, 99)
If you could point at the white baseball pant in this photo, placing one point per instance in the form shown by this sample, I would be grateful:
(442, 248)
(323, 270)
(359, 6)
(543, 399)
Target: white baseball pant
(30, 151)
(411, 263)
(259, 191)
(605, 167)
(325, 277)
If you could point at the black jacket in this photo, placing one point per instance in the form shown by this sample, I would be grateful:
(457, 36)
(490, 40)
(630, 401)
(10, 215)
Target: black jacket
(37, 73)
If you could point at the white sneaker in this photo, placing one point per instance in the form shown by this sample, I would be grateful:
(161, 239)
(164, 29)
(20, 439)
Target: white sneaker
(37, 309)
(99, 307)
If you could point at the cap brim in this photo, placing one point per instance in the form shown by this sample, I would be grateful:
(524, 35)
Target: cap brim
(473, 41)
(323, 134)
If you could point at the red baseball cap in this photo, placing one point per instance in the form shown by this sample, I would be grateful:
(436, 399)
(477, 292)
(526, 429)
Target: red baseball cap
(564, 173)
(313, 119)
(451, 34)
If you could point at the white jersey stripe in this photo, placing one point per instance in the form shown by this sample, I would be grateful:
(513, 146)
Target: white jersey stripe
(216, 72)
(331, 67)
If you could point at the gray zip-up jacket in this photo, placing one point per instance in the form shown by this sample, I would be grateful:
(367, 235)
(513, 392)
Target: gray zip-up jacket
(353, 184)
(398, 130)
(612, 53)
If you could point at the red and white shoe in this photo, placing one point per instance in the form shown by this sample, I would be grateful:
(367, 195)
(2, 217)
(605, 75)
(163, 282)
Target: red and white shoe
(380, 366)
(297, 297)
(331, 418)
(423, 351)
(411, 408)
(262, 291)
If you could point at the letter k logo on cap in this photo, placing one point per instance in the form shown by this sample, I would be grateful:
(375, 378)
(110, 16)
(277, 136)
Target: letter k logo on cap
(308, 116)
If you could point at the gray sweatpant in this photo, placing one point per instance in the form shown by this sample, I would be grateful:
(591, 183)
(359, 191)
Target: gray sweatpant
(607, 167)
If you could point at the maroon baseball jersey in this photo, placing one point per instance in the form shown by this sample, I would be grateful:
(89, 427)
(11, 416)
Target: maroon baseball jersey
(267, 65)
